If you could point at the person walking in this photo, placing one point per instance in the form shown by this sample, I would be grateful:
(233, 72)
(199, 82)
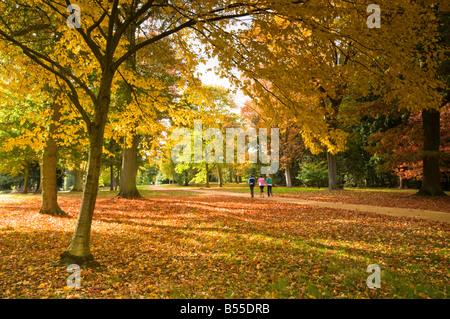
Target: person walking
(251, 183)
(261, 182)
(269, 186)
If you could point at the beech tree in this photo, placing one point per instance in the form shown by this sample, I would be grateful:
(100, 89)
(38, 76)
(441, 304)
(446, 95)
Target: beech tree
(211, 106)
(35, 139)
(98, 47)
(401, 147)
(266, 111)
(331, 51)
(46, 123)
(155, 73)
(431, 183)
(49, 164)
(89, 60)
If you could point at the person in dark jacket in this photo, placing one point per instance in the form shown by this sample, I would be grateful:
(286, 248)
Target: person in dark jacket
(269, 186)
(251, 183)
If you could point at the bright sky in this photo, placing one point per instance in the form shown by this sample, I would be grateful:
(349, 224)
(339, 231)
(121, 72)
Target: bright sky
(211, 78)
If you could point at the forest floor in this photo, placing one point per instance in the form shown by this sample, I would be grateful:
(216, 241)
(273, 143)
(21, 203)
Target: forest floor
(394, 203)
(182, 244)
(438, 208)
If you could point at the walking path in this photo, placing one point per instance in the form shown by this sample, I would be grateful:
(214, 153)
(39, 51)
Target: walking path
(392, 211)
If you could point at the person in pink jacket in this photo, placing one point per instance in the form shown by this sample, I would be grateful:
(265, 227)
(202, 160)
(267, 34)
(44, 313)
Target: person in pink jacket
(261, 182)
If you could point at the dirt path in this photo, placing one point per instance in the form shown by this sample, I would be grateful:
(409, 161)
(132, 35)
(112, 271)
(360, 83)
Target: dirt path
(392, 211)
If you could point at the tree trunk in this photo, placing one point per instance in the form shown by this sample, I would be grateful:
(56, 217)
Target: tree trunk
(231, 175)
(207, 175)
(431, 184)
(78, 185)
(186, 178)
(403, 183)
(111, 174)
(79, 248)
(26, 174)
(118, 168)
(332, 172)
(78, 251)
(39, 186)
(332, 121)
(219, 171)
(128, 188)
(287, 173)
(49, 202)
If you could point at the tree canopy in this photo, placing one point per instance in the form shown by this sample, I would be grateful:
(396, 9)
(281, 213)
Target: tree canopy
(124, 71)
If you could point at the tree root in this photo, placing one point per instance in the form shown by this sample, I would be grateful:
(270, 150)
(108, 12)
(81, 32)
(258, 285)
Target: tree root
(132, 194)
(430, 193)
(84, 262)
(54, 212)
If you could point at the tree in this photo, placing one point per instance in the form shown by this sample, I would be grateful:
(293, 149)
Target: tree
(210, 106)
(49, 163)
(40, 133)
(357, 166)
(323, 76)
(73, 157)
(167, 169)
(18, 150)
(331, 52)
(431, 184)
(148, 174)
(99, 47)
(265, 111)
(313, 174)
(401, 147)
(87, 61)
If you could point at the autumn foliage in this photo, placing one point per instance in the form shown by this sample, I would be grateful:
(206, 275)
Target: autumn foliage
(401, 146)
(103, 99)
(181, 245)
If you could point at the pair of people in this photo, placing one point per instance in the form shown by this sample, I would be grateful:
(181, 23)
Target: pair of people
(262, 183)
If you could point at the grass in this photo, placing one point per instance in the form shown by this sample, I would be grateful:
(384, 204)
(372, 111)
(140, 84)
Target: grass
(172, 246)
(367, 196)
(243, 187)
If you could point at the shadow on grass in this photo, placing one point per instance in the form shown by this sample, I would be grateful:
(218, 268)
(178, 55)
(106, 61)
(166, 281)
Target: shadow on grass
(208, 247)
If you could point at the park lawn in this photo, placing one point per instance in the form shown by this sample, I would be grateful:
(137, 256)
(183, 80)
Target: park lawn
(172, 246)
(388, 198)
(376, 197)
